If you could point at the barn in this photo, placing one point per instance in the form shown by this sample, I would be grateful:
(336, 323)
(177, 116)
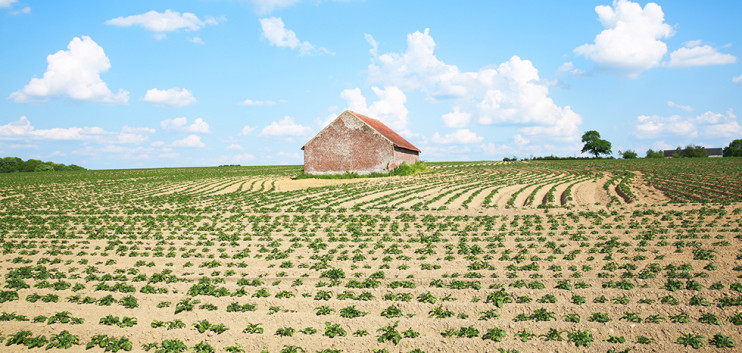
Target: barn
(354, 143)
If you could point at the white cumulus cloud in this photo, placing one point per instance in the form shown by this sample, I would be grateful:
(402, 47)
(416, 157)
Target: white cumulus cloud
(632, 41)
(22, 129)
(695, 54)
(173, 97)
(285, 127)
(160, 22)
(686, 108)
(74, 73)
(737, 80)
(460, 136)
(509, 93)
(456, 118)
(181, 124)
(246, 130)
(520, 140)
(278, 35)
(708, 125)
(389, 108)
(190, 141)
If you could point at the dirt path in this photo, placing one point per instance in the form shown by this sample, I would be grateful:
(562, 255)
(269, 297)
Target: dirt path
(590, 192)
(503, 195)
(288, 184)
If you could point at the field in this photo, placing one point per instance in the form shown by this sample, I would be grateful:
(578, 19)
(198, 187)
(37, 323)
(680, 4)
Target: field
(539, 256)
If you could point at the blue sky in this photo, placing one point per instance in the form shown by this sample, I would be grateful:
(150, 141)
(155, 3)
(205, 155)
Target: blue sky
(131, 84)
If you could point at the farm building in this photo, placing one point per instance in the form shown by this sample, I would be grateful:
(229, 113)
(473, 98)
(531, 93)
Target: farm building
(354, 143)
(713, 152)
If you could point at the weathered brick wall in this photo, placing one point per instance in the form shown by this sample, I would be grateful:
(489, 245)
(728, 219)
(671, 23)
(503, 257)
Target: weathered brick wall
(348, 145)
(404, 155)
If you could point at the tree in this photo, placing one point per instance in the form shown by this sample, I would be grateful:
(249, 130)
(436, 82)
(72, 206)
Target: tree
(628, 154)
(654, 154)
(594, 144)
(691, 151)
(734, 149)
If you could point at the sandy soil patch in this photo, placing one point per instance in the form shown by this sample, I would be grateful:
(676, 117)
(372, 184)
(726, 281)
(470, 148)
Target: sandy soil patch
(288, 184)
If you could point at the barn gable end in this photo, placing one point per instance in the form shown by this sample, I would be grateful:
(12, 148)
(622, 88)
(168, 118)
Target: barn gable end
(356, 143)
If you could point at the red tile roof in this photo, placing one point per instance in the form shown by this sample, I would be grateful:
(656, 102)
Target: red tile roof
(384, 130)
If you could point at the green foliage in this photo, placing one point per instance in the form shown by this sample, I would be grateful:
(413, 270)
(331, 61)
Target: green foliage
(721, 341)
(689, 339)
(403, 169)
(594, 144)
(691, 151)
(628, 154)
(15, 164)
(110, 344)
(734, 149)
(580, 338)
(495, 334)
(654, 154)
(389, 333)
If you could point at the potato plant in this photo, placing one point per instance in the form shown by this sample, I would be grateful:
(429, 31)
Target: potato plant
(491, 256)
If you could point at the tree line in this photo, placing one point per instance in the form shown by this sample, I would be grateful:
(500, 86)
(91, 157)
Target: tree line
(597, 146)
(15, 164)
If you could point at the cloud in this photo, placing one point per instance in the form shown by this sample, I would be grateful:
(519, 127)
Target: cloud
(181, 124)
(239, 158)
(520, 140)
(198, 126)
(253, 103)
(456, 118)
(196, 40)
(389, 108)
(190, 141)
(278, 35)
(167, 21)
(695, 54)
(737, 80)
(234, 147)
(7, 3)
(686, 108)
(174, 97)
(286, 127)
(24, 11)
(569, 67)
(461, 136)
(74, 73)
(247, 130)
(509, 93)
(22, 129)
(263, 7)
(708, 125)
(632, 41)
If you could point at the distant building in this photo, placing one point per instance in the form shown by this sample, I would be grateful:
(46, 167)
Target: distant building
(713, 152)
(354, 143)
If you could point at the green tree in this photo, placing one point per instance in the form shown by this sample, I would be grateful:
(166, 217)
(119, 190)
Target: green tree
(628, 154)
(594, 144)
(691, 151)
(734, 149)
(655, 154)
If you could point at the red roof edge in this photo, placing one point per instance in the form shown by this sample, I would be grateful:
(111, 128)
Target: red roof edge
(385, 131)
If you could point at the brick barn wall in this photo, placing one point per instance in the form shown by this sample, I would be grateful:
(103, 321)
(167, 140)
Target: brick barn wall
(405, 155)
(348, 145)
